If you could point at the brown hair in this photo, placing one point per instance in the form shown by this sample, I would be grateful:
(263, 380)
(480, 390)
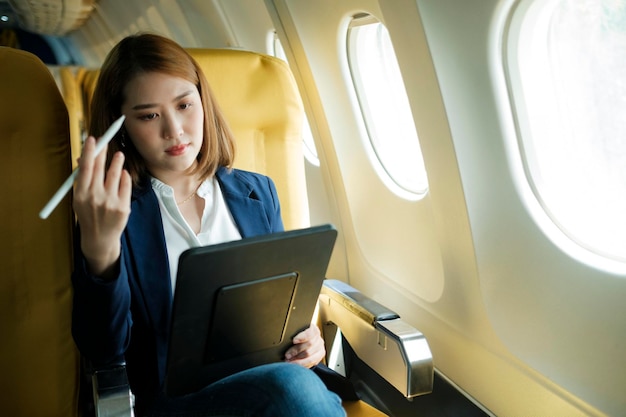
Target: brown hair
(153, 53)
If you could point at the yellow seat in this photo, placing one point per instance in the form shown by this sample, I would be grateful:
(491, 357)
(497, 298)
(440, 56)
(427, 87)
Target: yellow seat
(262, 106)
(361, 409)
(38, 360)
(72, 95)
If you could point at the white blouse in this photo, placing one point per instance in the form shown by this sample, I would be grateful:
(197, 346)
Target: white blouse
(217, 224)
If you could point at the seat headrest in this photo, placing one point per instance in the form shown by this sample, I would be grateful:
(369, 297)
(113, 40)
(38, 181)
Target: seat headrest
(261, 103)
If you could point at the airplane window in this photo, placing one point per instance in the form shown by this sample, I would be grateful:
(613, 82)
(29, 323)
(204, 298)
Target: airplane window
(568, 58)
(385, 105)
(310, 152)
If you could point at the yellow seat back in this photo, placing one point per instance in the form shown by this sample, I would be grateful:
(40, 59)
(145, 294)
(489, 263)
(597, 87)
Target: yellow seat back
(73, 97)
(262, 105)
(86, 80)
(39, 364)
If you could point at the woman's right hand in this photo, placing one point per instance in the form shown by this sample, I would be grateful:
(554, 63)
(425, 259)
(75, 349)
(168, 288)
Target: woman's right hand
(102, 207)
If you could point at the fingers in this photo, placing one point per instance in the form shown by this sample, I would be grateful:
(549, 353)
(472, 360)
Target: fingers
(102, 207)
(100, 191)
(92, 177)
(99, 164)
(101, 197)
(308, 349)
(85, 165)
(91, 166)
(125, 190)
(114, 181)
(311, 333)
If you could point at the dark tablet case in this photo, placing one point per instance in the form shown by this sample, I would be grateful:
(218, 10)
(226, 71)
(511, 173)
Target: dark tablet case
(239, 304)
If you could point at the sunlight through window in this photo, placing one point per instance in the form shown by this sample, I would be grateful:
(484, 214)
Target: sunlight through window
(385, 105)
(571, 106)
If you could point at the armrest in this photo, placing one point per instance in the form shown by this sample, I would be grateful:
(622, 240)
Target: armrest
(111, 392)
(394, 349)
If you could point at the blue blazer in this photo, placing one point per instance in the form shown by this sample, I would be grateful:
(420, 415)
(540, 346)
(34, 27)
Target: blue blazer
(127, 319)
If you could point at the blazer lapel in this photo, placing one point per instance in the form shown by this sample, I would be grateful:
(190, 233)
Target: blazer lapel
(247, 210)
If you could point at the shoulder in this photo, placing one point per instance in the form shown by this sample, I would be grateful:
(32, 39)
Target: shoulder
(238, 178)
(241, 174)
(252, 199)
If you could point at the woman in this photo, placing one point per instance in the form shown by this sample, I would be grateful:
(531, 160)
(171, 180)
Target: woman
(164, 186)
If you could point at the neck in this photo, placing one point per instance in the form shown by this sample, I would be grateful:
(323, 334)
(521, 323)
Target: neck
(183, 185)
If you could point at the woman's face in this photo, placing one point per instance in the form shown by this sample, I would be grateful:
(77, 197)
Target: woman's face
(165, 120)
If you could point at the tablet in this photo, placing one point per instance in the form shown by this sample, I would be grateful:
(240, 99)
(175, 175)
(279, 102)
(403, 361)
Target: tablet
(238, 304)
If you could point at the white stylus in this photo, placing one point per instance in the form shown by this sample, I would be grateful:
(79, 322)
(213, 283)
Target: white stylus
(69, 182)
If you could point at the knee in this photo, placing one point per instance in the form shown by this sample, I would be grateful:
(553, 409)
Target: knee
(300, 389)
(289, 377)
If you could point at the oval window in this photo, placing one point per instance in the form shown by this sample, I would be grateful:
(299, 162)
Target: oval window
(567, 64)
(385, 106)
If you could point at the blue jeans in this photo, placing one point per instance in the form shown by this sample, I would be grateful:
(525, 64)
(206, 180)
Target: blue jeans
(274, 390)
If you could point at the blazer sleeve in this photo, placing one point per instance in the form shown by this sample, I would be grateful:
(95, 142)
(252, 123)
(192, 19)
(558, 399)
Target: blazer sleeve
(101, 318)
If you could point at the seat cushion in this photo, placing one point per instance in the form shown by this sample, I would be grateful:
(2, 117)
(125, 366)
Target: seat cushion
(361, 409)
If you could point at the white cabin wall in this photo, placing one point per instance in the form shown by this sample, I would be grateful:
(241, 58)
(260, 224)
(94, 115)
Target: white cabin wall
(356, 187)
(561, 316)
(493, 295)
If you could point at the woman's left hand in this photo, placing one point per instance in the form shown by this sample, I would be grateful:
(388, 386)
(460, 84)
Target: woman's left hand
(308, 348)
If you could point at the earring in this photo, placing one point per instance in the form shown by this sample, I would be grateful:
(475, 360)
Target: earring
(123, 139)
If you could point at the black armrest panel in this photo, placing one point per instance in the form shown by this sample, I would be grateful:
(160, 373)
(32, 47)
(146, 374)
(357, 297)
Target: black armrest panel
(112, 378)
